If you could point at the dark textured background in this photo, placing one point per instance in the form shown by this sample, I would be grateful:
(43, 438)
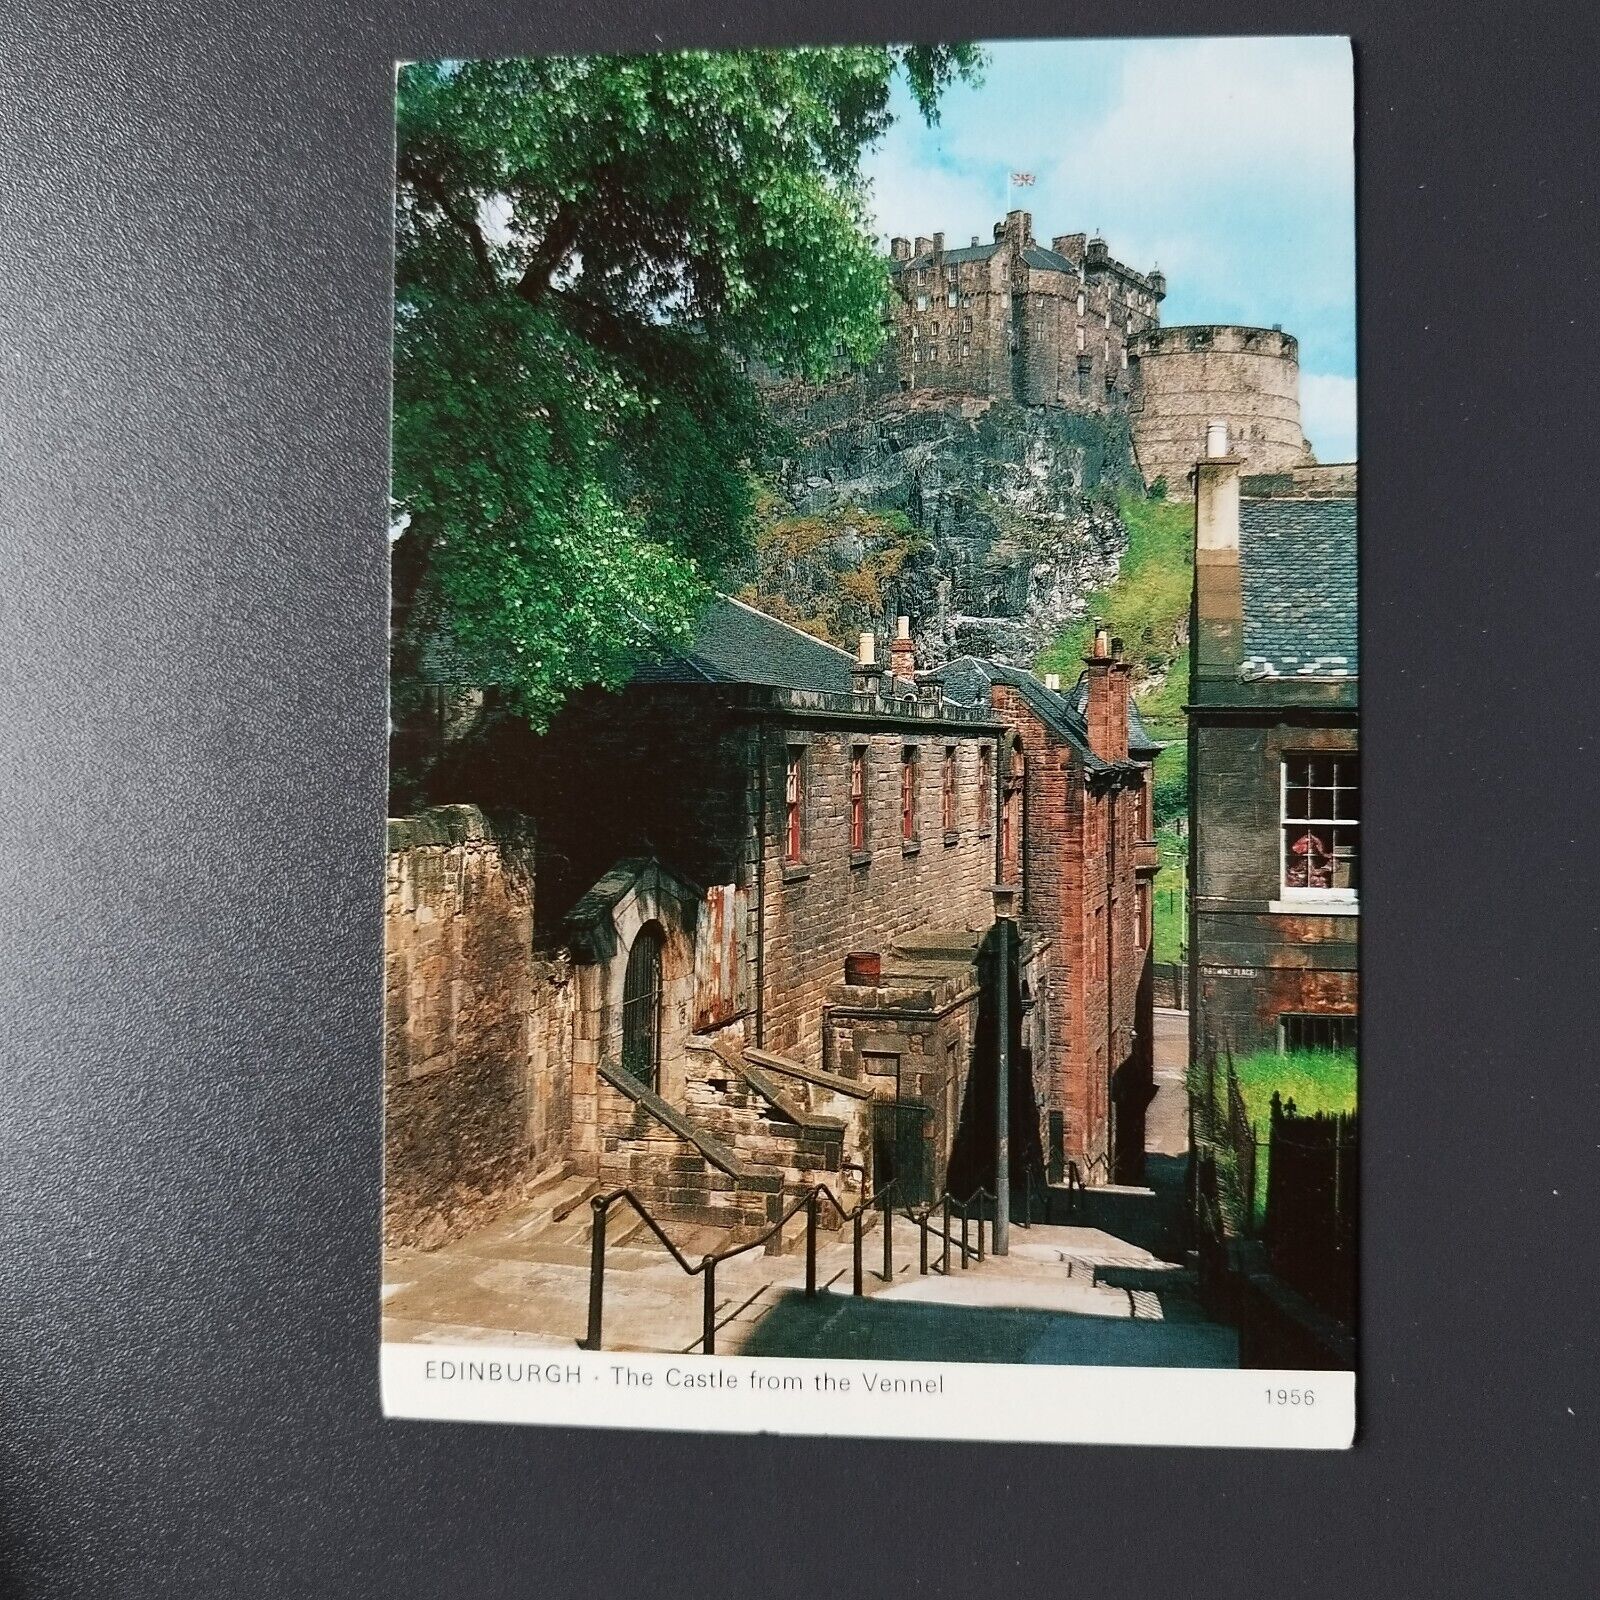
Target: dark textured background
(193, 323)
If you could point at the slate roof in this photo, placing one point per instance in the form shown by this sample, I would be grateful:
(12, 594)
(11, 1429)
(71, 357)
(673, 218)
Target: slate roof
(1140, 743)
(967, 680)
(1297, 569)
(967, 252)
(735, 643)
(1037, 256)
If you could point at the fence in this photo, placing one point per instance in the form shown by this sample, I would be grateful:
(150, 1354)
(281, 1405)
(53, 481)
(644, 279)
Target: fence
(1300, 1202)
(1312, 1203)
(1222, 1129)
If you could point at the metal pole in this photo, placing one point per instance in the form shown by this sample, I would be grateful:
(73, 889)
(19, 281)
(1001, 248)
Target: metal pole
(857, 1245)
(811, 1243)
(1002, 1099)
(888, 1235)
(964, 1238)
(947, 1234)
(708, 1339)
(597, 1271)
(980, 1230)
(924, 1265)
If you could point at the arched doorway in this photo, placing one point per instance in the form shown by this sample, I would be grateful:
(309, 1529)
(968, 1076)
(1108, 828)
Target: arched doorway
(641, 1007)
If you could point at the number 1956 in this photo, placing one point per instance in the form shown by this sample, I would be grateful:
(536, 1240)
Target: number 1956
(1291, 1397)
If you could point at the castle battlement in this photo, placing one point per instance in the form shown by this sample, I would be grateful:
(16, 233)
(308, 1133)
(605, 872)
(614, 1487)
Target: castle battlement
(1067, 324)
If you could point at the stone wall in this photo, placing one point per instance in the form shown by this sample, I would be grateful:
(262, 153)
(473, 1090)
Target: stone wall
(1184, 378)
(1253, 964)
(476, 1092)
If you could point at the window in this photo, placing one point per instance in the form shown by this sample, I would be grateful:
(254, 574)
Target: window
(858, 799)
(952, 299)
(1304, 1031)
(1321, 822)
(1011, 815)
(936, 330)
(966, 324)
(1080, 341)
(908, 795)
(985, 787)
(1141, 931)
(1080, 303)
(950, 273)
(794, 801)
(947, 810)
(922, 302)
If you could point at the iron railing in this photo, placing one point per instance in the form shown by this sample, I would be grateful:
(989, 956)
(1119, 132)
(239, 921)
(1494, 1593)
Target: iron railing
(811, 1200)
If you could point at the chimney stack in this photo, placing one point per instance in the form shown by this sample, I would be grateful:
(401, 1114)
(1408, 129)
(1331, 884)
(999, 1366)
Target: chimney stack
(938, 244)
(902, 652)
(866, 674)
(1219, 606)
(900, 249)
(1107, 710)
(924, 244)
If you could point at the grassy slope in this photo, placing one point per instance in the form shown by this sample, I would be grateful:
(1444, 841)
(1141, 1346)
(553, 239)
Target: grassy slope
(1147, 607)
(1316, 1080)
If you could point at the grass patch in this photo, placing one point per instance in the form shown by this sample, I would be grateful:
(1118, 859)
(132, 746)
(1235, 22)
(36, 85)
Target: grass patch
(1316, 1080)
(1145, 606)
(1171, 933)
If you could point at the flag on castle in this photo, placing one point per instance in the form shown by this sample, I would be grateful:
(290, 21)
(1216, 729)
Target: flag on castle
(1022, 180)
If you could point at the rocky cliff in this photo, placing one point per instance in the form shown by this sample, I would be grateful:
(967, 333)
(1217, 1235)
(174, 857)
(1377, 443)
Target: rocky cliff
(986, 523)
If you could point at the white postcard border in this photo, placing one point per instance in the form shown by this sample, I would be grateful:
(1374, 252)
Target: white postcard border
(1226, 1408)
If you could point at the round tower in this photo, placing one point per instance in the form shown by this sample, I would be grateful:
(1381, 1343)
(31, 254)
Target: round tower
(1182, 379)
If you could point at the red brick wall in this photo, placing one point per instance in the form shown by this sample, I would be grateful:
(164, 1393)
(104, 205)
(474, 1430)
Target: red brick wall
(1071, 897)
(832, 903)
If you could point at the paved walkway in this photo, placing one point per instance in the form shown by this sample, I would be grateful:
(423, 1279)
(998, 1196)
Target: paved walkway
(1167, 1120)
(1062, 1295)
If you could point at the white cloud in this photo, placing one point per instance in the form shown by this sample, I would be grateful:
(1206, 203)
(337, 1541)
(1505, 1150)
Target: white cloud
(1328, 415)
(1212, 112)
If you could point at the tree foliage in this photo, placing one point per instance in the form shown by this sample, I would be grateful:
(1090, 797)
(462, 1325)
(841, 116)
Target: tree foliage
(588, 249)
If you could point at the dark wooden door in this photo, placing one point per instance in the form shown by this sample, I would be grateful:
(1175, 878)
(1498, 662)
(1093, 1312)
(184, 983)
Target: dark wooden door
(641, 1009)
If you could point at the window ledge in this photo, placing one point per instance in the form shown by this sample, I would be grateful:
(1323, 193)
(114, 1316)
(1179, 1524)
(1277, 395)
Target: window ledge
(860, 858)
(1316, 908)
(912, 847)
(952, 836)
(794, 871)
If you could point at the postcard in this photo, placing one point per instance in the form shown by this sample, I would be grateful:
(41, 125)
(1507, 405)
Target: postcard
(873, 866)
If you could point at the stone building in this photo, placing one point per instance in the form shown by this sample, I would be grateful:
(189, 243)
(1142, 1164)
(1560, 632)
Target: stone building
(1274, 762)
(1185, 378)
(1077, 840)
(1068, 325)
(1014, 319)
(722, 935)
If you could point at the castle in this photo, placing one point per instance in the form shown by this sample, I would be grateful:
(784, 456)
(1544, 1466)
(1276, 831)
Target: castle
(1069, 325)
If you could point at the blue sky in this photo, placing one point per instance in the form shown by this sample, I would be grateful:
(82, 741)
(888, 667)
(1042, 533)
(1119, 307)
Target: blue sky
(1227, 162)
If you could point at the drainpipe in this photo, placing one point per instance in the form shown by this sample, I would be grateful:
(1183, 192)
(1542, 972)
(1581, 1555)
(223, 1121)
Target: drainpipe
(761, 887)
(1113, 796)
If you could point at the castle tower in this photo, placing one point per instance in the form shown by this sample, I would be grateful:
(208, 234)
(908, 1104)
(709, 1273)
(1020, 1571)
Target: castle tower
(1185, 378)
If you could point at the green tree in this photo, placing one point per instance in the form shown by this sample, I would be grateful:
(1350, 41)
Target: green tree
(588, 248)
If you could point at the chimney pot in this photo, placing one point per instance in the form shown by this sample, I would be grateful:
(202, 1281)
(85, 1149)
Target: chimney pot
(974, 239)
(1216, 439)
(867, 650)
(1116, 649)
(1052, 680)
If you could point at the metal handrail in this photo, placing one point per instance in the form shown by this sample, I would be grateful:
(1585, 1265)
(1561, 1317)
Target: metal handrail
(809, 1201)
